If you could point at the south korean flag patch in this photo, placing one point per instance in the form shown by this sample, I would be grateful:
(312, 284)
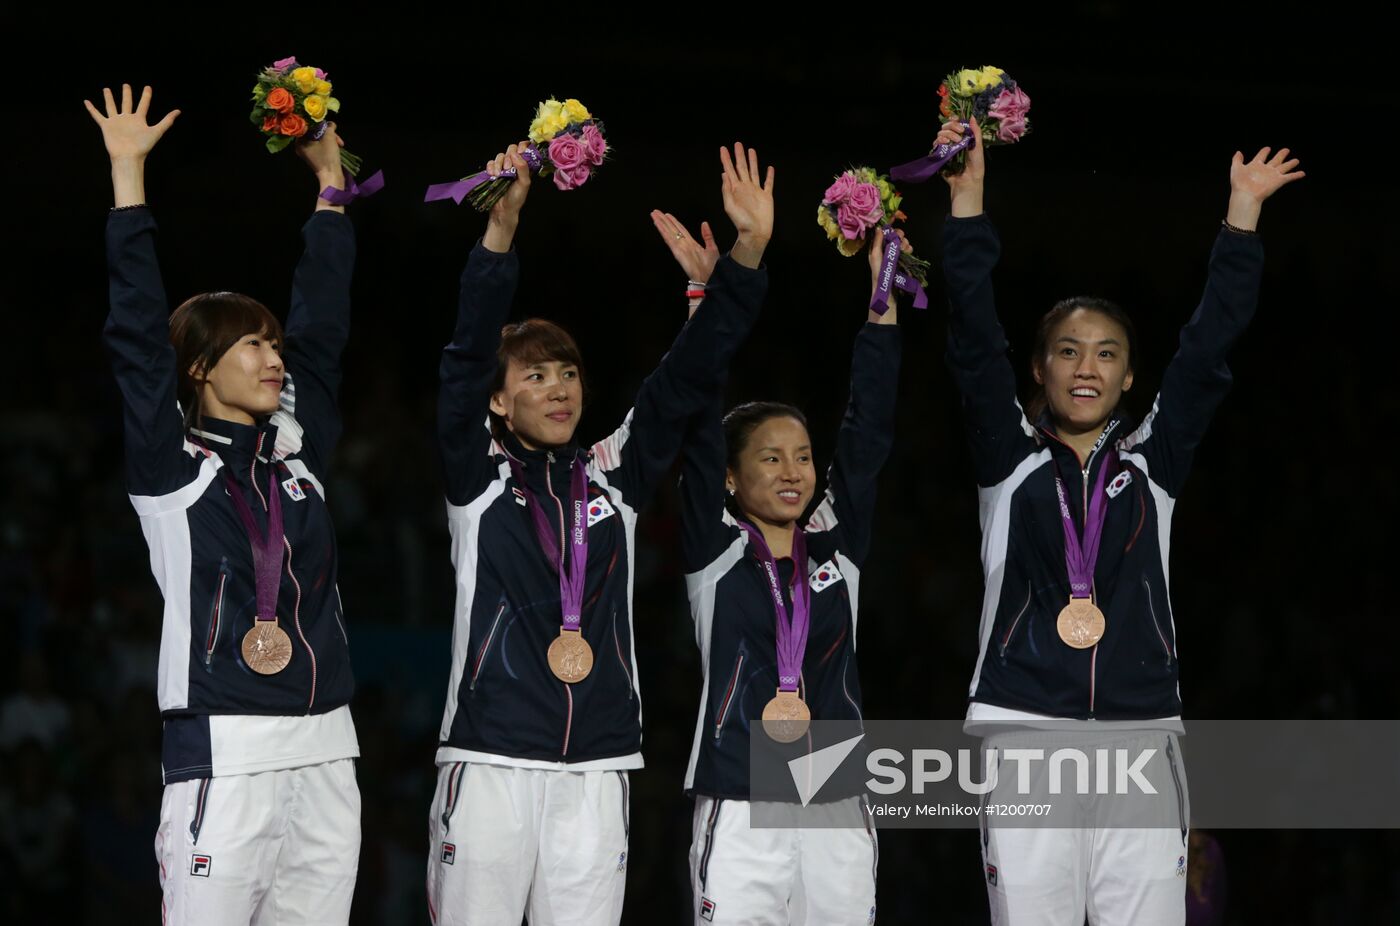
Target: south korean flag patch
(598, 509)
(294, 489)
(1119, 483)
(824, 576)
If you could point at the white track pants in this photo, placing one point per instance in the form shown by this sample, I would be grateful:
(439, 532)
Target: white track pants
(743, 874)
(276, 848)
(511, 842)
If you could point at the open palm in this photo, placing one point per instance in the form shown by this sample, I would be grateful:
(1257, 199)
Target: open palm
(1261, 177)
(747, 202)
(124, 128)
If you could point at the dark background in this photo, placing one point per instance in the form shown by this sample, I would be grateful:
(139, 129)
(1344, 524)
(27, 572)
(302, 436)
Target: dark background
(1282, 566)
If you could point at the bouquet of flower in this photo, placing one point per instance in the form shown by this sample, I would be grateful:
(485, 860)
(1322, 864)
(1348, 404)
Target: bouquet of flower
(291, 101)
(991, 96)
(861, 200)
(566, 143)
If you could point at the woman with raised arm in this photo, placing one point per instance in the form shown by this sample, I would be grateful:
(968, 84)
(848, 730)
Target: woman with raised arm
(228, 435)
(1077, 626)
(543, 716)
(775, 596)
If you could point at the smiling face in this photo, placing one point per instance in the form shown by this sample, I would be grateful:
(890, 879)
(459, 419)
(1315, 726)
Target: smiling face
(245, 383)
(540, 402)
(1085, 370)
(772, 476)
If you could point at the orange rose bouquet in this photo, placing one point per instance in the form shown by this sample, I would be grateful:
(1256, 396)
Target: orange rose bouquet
(292, 101)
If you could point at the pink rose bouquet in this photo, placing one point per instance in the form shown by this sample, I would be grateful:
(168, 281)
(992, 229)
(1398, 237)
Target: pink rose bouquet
(858, 201)
(566, 144)
(988, 94)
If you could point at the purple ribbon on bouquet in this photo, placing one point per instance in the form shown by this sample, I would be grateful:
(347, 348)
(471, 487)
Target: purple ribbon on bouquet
(353, 190)
(892, 276)
(921, 169)
(458, 190)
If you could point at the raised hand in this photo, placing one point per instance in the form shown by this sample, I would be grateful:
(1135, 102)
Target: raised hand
(875, 253)
(124, 128)
(966, 187)
(505, 215)
(323, 155)
(1255, 181)
(129, 139)
(748, 203)
(696, 260)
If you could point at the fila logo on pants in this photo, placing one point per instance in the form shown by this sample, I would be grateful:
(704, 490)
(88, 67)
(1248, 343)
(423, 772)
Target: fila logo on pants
(449, 853)
(199, 865)
(707, 909)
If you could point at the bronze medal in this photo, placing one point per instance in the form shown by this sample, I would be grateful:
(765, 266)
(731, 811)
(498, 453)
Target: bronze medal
(1081, 623)
(266, 648)
(786, 717)
(570, 657)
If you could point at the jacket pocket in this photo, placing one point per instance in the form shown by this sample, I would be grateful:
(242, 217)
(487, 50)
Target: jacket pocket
(1010, 634)
(216, 614)
(454, 794)
(485, 649)
(731, 692)
(1156, 624)
(340, 616)
(1180, 789)
(621, 656)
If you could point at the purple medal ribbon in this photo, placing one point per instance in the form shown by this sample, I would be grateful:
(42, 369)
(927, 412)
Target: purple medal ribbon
(1080, 557)
(353, 190)
(792, 632)
(571, 579)
(921, 169)
(267, 548)
(890, 276)
(458, 190)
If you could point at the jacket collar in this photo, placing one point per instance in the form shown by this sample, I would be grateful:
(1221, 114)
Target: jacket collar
(1119, 425)
(236, 443)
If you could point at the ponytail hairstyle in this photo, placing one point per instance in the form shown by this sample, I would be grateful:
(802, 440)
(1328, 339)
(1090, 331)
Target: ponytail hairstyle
(203, 329)
(739, 425)
(1036, 403)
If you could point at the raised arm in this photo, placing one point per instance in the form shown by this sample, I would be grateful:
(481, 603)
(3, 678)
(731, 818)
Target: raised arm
(689, 376)
(997, 427)
(704, 530)
(1198, 377)
(318, 322)
(137, 332)
(469, 361)
(867, 430)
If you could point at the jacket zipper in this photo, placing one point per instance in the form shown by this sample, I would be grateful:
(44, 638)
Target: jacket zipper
(296, 608)
(1088, 465)
(216, 613)
(1084, 523)
(549, 486)
(1155, 623)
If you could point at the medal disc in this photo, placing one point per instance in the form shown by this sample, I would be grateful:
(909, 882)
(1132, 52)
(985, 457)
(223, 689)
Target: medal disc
(266, 648)
(786, 717)
(1081, 623)
(570, 657)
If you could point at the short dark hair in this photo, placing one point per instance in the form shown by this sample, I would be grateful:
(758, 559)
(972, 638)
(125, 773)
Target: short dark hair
(1036, 403)
(534, 340)
(203, 329)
